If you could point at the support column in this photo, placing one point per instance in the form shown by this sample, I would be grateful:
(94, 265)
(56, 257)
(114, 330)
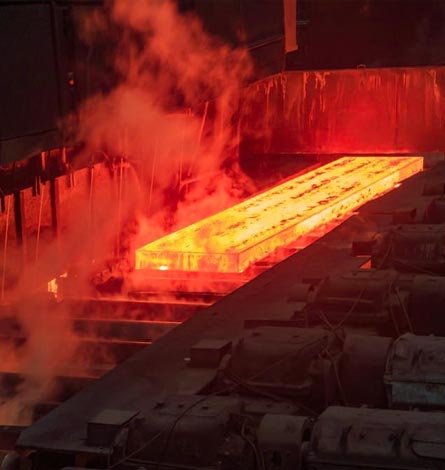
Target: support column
(19, 219)
(54, 200)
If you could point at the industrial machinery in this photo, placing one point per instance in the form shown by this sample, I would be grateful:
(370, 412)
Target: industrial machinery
(223, 235)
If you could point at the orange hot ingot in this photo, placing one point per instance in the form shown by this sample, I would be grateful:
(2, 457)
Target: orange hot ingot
(247, 232)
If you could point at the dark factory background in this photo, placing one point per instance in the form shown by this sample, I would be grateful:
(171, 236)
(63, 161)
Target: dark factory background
(324, 350)
(47, 72)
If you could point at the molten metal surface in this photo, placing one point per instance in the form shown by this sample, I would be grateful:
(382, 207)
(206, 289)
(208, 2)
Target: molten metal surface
(236, 237)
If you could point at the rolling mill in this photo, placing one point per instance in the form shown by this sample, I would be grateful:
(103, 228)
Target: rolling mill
(222, 234)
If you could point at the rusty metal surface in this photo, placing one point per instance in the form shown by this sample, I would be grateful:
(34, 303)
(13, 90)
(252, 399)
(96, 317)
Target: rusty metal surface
(209, 423)
(365, 438)
(139, 382)
(362, 367)
(388, 301)
(281, 439)
(415, 371)
(430, 291)
(391, 110)
(358, 297)
(289, 362)
(146, 382)
(413, 248)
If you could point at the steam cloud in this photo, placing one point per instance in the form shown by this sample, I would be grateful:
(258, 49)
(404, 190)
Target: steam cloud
(171, 115)
(173, 109)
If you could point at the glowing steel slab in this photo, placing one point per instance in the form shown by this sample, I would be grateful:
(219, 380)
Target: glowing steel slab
(234, 238)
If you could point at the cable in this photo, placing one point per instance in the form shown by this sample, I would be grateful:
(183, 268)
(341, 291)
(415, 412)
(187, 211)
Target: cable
(363, 290)
(352, 308)
(258, 391)
(258, 456)
(391, 312)
(403, 263)
(331, 328)
(337, 378)
(266, 369)
(30, 134)
(415, 268)
(171, 426)
(284, 358)
(405, 313)
(179, 417)
(250, 441)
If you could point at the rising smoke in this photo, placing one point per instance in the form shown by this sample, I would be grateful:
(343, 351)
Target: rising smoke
(171, 116)
(173, 109)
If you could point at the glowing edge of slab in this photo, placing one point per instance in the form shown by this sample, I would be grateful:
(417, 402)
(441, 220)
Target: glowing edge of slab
(238, 262)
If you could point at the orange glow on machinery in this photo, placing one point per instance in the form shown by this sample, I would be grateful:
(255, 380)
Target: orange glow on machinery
(247, 232)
